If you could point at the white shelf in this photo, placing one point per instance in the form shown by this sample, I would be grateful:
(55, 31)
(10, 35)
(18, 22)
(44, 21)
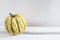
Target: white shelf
(33, 33)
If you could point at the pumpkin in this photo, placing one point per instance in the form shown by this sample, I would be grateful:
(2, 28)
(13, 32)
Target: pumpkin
(15, 24)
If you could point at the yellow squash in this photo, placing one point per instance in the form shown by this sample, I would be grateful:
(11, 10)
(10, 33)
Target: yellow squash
(15, 24)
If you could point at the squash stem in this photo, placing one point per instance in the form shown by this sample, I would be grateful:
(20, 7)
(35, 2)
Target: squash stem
(11, 15)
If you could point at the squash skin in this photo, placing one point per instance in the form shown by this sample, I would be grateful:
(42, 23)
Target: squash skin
(15, 25)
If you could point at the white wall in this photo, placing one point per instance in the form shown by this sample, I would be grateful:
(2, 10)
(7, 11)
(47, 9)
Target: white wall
(36, 12)
(54, 13)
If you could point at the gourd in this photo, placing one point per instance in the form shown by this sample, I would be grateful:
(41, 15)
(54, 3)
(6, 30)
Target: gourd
(15, 24)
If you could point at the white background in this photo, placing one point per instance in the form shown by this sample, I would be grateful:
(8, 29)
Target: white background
(35, 12)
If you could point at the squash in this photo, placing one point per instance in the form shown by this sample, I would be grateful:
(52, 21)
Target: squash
(15, 24)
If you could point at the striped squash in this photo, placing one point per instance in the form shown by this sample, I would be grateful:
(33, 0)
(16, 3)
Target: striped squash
(15, 24)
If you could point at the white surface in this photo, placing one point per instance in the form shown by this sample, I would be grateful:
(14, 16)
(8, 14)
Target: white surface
(33, 33)
(33, 37)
